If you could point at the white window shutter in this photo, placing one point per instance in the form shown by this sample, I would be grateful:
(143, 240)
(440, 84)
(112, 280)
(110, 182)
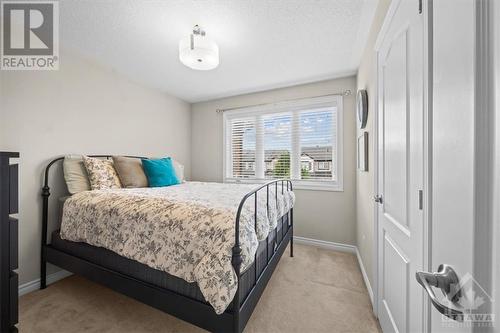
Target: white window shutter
(297, 140)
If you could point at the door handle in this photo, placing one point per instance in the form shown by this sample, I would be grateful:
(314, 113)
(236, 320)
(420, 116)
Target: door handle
(378, 199)
(447, 280)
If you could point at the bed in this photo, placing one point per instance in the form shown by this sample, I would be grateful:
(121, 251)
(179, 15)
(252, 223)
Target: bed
(202, 252)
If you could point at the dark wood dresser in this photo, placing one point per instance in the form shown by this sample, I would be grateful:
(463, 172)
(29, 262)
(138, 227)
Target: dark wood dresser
(9, 280)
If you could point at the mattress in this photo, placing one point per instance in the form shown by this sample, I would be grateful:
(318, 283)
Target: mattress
(186, 230)
(137, 270)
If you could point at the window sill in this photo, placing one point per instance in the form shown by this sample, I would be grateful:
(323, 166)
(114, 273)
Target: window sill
(297, 184)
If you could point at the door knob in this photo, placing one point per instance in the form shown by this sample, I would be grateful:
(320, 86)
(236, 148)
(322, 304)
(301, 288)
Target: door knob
(447, 280)
(378, 198)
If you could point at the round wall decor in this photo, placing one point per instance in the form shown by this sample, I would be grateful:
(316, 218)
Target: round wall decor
(362, 107)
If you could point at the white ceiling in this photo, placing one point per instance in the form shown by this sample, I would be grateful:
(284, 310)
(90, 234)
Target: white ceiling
(264, 44)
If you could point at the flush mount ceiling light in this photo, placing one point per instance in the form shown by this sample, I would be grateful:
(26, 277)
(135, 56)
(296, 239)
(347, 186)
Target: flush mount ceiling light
(199, 52)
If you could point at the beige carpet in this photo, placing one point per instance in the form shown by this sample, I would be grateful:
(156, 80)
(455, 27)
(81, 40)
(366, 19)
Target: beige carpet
(316, 291)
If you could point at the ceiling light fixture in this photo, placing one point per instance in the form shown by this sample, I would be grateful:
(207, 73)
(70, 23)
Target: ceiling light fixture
(199, 52)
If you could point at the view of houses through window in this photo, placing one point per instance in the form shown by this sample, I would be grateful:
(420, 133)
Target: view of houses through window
(298, 144)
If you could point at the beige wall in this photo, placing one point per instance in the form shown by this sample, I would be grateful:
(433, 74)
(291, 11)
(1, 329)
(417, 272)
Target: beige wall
(322, 215)
(82, 108)
(365, 180)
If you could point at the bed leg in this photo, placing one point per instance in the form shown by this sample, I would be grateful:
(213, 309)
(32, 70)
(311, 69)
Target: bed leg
(236, 262)
(43, 271)
(291, 232)
(45, 219)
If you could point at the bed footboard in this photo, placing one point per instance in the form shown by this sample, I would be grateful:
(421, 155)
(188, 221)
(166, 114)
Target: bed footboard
(241, 314)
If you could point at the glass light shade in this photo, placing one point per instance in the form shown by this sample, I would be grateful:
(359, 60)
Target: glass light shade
(203, 56)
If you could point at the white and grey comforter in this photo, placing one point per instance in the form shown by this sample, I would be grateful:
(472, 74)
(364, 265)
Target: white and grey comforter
(186, 230)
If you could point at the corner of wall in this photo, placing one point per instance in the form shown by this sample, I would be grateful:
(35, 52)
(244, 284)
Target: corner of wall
(366, 79)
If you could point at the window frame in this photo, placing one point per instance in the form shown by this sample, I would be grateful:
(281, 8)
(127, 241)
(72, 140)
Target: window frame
(282, 107)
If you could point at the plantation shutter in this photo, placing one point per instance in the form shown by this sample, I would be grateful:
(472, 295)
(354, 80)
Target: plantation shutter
(293, 140)
(242, 148)
(317, 143)
(277, 145)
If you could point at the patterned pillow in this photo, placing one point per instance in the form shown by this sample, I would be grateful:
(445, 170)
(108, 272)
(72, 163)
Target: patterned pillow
(102, 174)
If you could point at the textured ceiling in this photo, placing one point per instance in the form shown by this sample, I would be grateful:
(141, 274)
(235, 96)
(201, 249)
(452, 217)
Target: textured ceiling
(264, 44)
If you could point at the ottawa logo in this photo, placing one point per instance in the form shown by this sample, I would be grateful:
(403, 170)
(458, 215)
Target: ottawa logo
(473, 302)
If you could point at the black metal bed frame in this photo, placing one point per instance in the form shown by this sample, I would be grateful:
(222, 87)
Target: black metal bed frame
(196, 312)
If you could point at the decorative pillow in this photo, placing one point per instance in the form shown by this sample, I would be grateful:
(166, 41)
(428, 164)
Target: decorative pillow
(102, 174)
(160, 172)
(130, 171)
(179, 170)
(75, 174)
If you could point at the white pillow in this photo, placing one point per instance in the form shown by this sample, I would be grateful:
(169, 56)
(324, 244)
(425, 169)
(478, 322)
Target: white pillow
(179, 170)
(75, 174)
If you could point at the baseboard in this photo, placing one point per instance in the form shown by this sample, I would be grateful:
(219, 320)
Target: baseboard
(325, 244)
(339, 247)
(35, 284)
(365, 276)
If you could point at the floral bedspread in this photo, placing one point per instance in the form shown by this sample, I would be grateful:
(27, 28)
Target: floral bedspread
(186, 230)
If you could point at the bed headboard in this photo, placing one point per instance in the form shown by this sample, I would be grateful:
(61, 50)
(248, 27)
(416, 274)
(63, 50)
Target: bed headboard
(46, 190)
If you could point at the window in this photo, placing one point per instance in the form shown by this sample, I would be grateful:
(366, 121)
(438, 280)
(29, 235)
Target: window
(298, 140)
(305, 166)
(277, 141)
(324, 166)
